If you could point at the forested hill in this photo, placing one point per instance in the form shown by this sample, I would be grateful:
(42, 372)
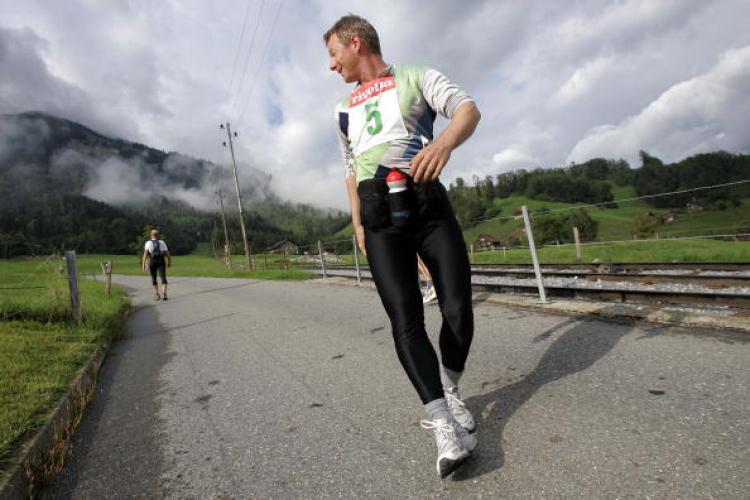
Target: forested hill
(593, 182)
(64, 185)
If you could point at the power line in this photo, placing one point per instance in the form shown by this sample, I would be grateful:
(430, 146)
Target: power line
(260, 65)
(648, 196)
(249, 52)
(239, 45)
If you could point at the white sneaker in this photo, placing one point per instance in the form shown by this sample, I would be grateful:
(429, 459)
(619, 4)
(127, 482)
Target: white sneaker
(468, 440)
(451, 451)
(429, 295)
(460, 413)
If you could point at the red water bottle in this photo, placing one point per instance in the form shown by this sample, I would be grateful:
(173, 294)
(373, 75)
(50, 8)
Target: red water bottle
(399, 197)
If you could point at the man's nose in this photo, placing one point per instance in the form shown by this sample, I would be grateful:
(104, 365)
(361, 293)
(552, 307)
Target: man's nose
(332, 64)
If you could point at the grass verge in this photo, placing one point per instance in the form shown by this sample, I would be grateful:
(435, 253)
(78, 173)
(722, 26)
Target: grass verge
(41, 348)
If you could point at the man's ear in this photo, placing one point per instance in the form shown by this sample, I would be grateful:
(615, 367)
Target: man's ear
(356, 43)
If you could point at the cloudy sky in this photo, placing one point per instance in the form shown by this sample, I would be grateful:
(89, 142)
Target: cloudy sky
(556, 81)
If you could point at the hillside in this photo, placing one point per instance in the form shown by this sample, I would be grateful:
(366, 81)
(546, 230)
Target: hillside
(619, 203)
(66, 186)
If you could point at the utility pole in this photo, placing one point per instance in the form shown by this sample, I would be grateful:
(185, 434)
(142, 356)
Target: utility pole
(227, 252)
(215, 242)
(239, 199)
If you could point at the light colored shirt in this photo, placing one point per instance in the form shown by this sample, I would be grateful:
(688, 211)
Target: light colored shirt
(150, 246)
(389, 120)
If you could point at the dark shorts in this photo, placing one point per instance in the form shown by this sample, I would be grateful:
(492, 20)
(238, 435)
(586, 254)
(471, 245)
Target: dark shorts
(158, 266)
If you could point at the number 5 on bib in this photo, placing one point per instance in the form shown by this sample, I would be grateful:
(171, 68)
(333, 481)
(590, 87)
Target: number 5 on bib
(371, 109)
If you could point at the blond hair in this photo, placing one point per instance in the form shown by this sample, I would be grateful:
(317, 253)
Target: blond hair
(155, 233)
(348, 26)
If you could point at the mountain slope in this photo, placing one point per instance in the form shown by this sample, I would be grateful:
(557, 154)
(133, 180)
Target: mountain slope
(62, 184)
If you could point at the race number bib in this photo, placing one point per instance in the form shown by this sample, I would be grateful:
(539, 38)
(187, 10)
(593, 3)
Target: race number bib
(374, 115)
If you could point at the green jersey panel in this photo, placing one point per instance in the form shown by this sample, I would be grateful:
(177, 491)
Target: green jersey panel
(389, 120)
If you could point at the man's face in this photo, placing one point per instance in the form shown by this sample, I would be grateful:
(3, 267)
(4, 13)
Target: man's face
(344, 58)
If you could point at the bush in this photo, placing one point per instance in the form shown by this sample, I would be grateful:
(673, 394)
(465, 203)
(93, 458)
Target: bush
(554, 228)
(645, 225)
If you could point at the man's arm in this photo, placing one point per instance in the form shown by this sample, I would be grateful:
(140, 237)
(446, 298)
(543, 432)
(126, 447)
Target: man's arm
(143, 259)
(359, 230)
(168, 257)
(429, 162)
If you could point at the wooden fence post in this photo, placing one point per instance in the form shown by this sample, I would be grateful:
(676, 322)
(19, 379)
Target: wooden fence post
(107, 270)
(577, 237)
(75, 297)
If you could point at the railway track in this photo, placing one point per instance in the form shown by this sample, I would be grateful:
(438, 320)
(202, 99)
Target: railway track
(699, 284)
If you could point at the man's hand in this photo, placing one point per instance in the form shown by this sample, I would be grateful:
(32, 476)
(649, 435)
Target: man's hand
(429, 162)
(359, 231)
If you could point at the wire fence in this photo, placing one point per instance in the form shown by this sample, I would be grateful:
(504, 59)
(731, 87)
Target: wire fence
(673, 234)
(606, 204)
(722, 246)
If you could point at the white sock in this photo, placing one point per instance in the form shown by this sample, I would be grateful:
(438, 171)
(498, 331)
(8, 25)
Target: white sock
(437, 409)
(449, 378)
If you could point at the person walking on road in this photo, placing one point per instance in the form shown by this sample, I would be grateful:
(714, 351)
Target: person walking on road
(156, 258)
(401, 210)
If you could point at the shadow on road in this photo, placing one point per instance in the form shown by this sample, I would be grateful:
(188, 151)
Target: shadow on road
(573, 351)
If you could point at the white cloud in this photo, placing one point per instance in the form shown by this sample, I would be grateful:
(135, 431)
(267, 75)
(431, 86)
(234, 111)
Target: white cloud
(513, 158)
(702, 114)
(548, 76)
(581, 82)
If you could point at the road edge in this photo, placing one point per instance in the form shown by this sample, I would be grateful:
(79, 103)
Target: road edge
(45, 451)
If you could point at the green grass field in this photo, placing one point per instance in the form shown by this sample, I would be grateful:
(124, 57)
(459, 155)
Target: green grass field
(41, 348)
(616, 224)
(195, 264)
(631, 251)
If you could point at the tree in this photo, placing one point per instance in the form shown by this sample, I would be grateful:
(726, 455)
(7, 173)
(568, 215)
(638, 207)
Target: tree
(558, 227)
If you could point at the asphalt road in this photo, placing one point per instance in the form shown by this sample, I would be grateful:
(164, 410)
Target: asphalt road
(239, 388)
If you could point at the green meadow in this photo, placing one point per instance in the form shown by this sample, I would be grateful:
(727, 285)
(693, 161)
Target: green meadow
(41, 347)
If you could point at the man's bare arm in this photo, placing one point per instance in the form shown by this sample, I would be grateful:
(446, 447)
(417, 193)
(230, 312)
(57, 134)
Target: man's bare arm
(354, 204)
(428, 163)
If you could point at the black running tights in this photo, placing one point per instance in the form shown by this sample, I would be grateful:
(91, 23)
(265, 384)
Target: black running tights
(392, 254)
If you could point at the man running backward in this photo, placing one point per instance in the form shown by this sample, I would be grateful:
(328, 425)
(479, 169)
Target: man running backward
(385, 126)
